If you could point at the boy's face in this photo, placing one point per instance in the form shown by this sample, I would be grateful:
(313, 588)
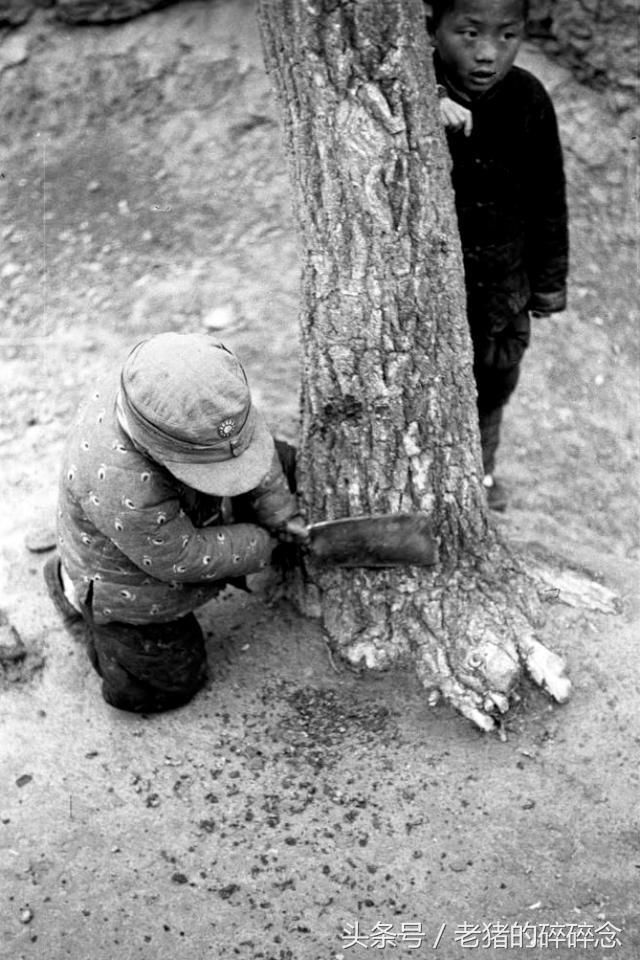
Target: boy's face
(478, 41)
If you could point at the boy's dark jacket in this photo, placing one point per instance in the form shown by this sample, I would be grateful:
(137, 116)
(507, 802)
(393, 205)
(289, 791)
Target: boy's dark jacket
(509, 188)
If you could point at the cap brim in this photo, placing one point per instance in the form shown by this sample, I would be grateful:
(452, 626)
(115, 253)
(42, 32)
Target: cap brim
(230, 478)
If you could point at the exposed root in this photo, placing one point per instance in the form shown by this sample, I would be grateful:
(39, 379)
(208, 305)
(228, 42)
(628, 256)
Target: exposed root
(468, 703)
(470, 633)
(576, 590)
(546, 668)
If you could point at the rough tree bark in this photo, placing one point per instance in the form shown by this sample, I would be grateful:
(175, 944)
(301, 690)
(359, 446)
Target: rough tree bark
(389, 420)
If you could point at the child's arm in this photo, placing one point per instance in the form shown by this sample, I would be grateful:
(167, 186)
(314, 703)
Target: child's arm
(547, 233)
(159, 538)
(271, 502)
(274, 506)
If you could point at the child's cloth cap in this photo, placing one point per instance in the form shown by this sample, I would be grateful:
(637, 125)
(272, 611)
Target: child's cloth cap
(185, 400)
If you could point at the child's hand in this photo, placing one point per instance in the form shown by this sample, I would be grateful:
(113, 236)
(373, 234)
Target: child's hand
(455, 116)
(294, 530)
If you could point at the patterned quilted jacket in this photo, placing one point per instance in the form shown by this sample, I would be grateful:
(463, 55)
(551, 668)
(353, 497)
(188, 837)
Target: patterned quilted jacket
(509, 185)
(139, 545)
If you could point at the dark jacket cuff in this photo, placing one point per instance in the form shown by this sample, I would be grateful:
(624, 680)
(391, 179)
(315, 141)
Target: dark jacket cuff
(548, 302)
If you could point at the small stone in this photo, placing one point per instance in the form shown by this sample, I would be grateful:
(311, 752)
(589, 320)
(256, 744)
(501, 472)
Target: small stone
(14, 50)
(228, 891)
(24, 780)
(11, 646)
(40, 539)
(123, 208)
(93, 186)
(179, 878)
(458, 866)
(26, 915)
(12, 653)
(599, 380)
(220, 318)
(9, 270)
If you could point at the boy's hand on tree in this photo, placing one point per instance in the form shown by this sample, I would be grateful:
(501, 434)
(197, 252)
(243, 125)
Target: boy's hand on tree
(455, 116)
(295, 530)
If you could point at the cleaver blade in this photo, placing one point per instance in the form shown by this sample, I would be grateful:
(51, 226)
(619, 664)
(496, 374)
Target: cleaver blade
(385, 540)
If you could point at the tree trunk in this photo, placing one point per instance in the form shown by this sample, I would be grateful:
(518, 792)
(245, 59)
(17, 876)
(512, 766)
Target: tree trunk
(389, 419)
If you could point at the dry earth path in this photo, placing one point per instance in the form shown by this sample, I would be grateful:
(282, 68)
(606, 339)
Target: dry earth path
(144, 189)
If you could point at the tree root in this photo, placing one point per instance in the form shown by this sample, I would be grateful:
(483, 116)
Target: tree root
(470, 633)
(546, 668)
(575, 589)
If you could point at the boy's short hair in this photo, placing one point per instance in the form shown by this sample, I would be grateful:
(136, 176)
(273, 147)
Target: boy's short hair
(436, 10)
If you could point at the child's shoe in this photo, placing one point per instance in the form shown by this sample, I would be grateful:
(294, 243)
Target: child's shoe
(496, 493)
(51, 573)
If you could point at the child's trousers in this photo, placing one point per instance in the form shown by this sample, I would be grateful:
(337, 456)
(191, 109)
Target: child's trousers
(496, 366)
(147, 668)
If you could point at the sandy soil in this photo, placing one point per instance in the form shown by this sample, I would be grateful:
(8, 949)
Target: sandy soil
(144, 189)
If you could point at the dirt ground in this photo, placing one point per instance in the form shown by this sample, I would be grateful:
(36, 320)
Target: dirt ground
(293, 811)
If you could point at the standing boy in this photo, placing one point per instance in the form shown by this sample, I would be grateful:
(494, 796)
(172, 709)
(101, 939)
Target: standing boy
(509, 188)
(171, 487)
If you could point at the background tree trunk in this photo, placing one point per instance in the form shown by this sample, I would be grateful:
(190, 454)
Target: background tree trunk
(389, 419)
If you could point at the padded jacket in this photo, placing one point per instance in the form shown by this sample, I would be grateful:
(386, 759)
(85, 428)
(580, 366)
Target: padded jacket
(139, 545)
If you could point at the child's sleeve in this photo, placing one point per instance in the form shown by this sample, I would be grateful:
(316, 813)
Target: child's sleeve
(547, 247)
(157, 536)
(272, 503)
